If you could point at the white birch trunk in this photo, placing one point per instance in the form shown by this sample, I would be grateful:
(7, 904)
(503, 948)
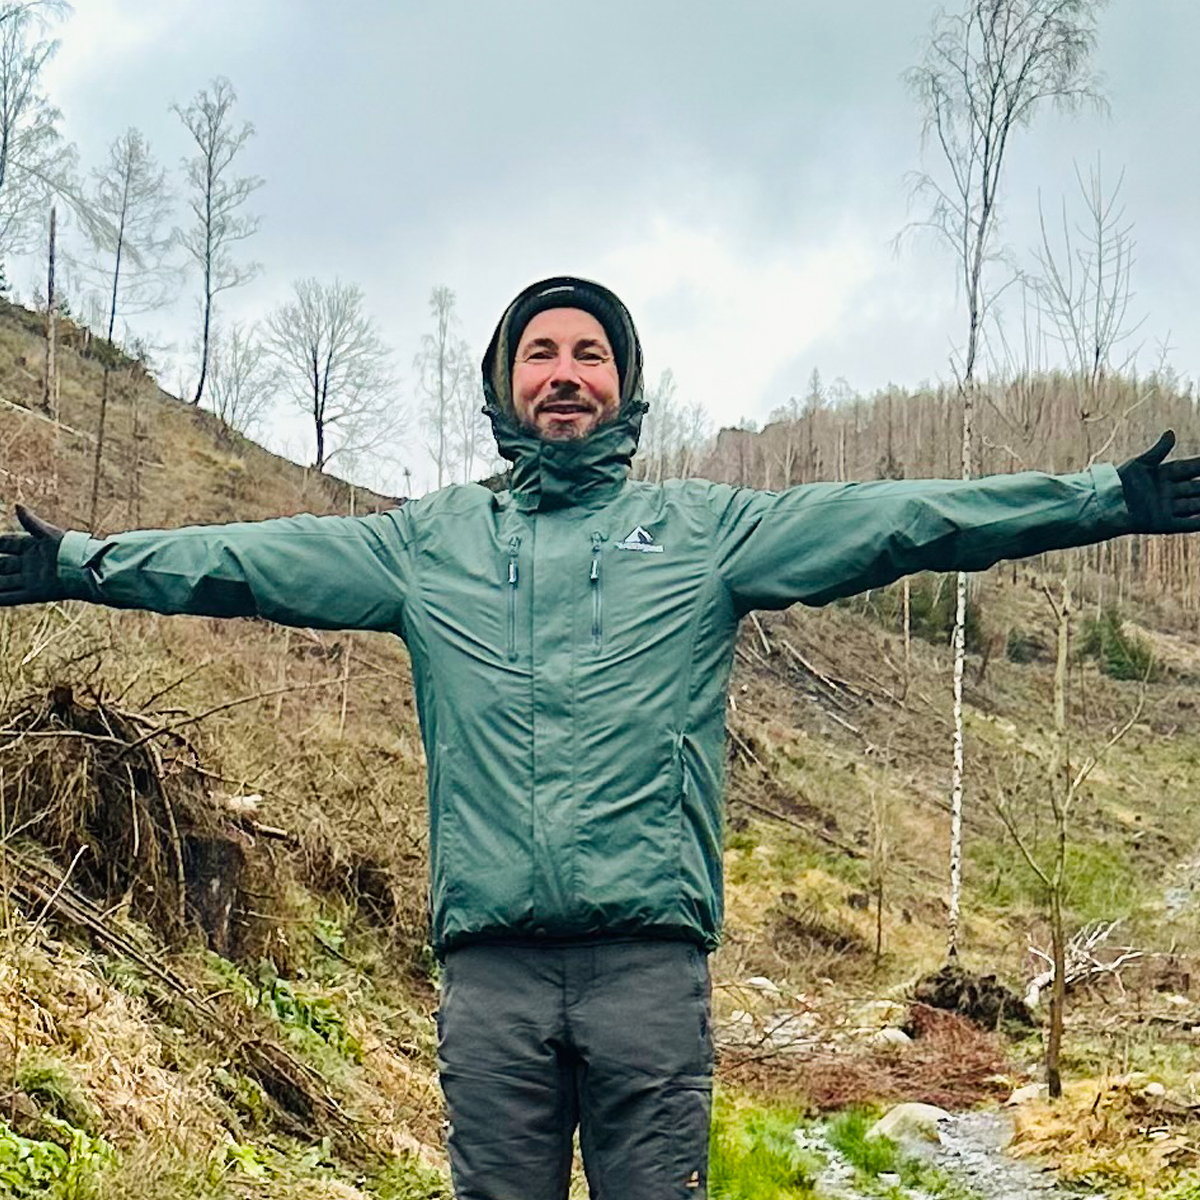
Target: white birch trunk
(960, 654)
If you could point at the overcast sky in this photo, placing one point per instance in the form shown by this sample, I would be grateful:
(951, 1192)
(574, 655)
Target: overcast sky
(735, 171)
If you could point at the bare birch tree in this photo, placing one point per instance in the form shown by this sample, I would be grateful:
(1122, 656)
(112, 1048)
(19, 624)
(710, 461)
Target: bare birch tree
(243, 377)
(131, 194)
(660, 428)
(988, 68)
(1085, 283)
(337, 368)
(470, 433)
(217, 199)
(443, 371)
(697, 428)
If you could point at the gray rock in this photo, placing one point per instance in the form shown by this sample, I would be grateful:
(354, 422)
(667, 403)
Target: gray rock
(905, 1121)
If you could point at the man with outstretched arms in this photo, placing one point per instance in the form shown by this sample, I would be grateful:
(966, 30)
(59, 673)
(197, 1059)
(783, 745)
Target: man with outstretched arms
(571, 641)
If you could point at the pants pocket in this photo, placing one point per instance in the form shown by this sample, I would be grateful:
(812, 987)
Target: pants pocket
(689, 1112)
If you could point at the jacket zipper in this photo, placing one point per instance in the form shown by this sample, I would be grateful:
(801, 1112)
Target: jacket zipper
(514, 544)
(597, 610)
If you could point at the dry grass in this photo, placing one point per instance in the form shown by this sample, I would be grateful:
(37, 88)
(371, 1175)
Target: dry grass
(1114, 1131)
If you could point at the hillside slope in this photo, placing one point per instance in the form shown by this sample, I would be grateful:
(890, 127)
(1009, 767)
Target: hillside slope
(214, 977)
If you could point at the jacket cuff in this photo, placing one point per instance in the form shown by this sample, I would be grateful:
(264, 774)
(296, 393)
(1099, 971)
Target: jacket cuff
(1113, 518)
(75, 552)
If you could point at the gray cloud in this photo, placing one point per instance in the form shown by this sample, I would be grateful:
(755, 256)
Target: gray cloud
(724, 166)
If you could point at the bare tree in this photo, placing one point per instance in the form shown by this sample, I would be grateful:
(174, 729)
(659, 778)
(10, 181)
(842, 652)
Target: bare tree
(660, 428)
(1086, 288)
(217, 199)
(131, 194)
(37, 166)
(988, 68)
(470, 426)
(337, 366)
(243, 377)
(443, 372)
(697, 428)
(1063, 782)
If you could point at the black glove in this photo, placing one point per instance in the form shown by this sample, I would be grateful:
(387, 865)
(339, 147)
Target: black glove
(1162, 497)
(29, 562)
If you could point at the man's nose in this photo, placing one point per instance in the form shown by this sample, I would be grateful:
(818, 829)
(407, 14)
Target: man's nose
(566, 371)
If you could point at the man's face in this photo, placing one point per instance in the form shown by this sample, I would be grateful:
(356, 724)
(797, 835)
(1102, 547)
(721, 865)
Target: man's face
(564, 378)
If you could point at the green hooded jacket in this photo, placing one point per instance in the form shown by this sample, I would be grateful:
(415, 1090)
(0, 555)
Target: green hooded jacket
(571, 642)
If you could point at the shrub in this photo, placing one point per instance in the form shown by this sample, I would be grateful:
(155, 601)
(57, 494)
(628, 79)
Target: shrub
(932, 603)
(1022, 646)
(1120, 654)
(45, 1170)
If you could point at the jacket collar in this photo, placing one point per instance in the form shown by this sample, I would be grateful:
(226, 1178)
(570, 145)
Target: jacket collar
(549, 475)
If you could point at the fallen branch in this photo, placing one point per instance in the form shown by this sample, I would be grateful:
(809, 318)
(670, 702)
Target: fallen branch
(762, 635)
(811, 830)
(1081, 964)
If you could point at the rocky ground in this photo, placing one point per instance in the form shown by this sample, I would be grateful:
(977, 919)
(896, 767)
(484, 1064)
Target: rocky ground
(972, 1149)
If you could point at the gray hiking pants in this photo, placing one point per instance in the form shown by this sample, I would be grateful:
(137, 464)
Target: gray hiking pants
(610, 1036)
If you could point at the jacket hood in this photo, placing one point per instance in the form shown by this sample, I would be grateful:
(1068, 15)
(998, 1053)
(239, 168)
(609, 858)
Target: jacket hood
(557, 474)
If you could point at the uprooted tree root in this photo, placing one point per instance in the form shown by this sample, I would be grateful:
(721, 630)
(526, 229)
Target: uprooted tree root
(950, 1063)
(982, 999)
(112, 830)
(120, 801)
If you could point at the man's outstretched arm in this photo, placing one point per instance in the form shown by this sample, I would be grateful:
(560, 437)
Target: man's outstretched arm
(324, 572)
(819, 542)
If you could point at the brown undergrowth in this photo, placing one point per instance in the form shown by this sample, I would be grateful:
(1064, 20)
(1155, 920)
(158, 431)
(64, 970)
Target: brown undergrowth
(950, 1063)
(120, 802)
(221, 827)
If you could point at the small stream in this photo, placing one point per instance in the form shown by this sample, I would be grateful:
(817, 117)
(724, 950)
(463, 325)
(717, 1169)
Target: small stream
(971, 1150)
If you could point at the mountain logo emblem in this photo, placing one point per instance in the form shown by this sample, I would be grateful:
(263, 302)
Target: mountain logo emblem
(639, 539)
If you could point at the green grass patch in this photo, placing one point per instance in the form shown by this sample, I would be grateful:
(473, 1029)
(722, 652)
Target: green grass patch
(1103, 881)
(879, 1157)
(847, 1133)
(48, 1170)
(754, 1154)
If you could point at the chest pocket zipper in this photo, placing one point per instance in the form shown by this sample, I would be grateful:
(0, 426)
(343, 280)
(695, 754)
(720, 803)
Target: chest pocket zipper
(514, 545)
(597, 609)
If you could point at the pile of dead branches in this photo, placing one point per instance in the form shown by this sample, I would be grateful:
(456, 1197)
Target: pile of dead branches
(950, 1063)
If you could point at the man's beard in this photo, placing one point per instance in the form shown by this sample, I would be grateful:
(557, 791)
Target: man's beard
(562, 431)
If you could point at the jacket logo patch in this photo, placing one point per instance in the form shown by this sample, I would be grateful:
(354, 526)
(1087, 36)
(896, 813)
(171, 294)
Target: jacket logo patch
(639, 539)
